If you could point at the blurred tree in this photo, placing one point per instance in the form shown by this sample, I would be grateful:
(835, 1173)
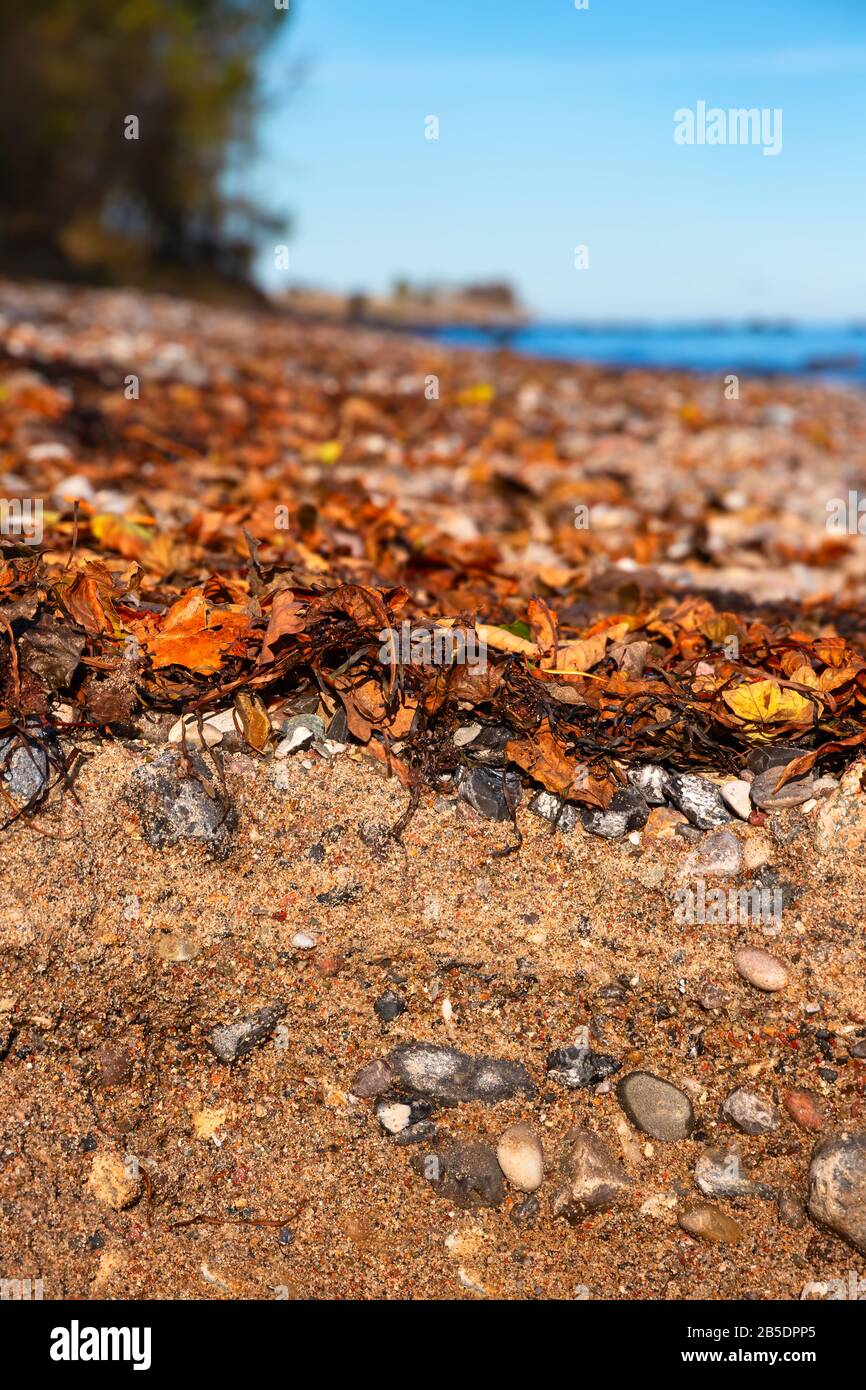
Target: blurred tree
(80, 195)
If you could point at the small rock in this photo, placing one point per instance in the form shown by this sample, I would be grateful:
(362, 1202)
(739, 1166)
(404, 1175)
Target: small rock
(576, 1067)
(750, 1112)
(698, 799)
(521, 1157)
(445, 1073)
(792, 1213)
(663, 822)
(389, 1006)
(858, 1049)
(651, 781)
(563, 814)
(372, 1079)
(213, 728)
(525, 1212)
(465, 734)
(710, 1224)
(234, 1040)
(174, 946)
(484, 788)
(777, 755)
(719, 1172)
(173, 806)
(735, 795)
(805, 1109)
(113, 1182)
(793, 793)
(713, 998)
(656, 1106)
(760, 969)
(593, 1179)
(466, 1174)
(300, 731)
(394, 1116)
(627, 811)
(24, 771)
(718, 852)
(837, 1186)
(114, 1065)
(302, 942)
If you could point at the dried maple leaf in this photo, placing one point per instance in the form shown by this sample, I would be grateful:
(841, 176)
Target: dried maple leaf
(191, 634)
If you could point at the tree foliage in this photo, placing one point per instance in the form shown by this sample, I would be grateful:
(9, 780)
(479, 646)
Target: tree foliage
(82, 198)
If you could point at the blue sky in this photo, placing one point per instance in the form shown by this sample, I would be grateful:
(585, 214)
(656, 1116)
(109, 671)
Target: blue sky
(556, 129)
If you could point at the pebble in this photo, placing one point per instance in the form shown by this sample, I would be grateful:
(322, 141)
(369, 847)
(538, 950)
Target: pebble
(302, 942)
(445, 1073)
(837, 1186)
(372, 1079)
(719, 1172)
(389, 1006)
(299, 732)
(553, 807)
(778, 755)
(793, 793)
(234, 1040)
(710, 1224)
(718, 852)
(655, 1106)
(760, 969)
(25, 771)
(805, 1109)
(112, 1181)
(114, 1065)
(858, 1049)
(394, 1116)
(174, 807)
(736, 796)
(174, 946)
(750, 1112)
(627, 811)
(651, 781)
(663, 822)
(577, 1067)
(521, 1157)
(214, 726)
(698, 799)
(465, 734)
(484, 789)
(593, 1180)
(465, 1173)
(713, 998)
(792, 1213)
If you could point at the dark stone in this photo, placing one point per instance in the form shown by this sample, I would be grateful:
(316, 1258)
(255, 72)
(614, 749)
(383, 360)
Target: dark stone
(445, 1073)
(389, 1006)
(484, 789)
(173, 806)
(627, 811)
(234, 1040)
(466, 1174)
(576, 1067)
(699, 800)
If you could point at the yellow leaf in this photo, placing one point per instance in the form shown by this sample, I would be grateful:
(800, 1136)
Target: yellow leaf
(765, 702)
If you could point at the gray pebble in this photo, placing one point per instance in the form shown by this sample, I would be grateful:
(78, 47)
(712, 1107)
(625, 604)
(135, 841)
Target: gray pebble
(655, 1106)
(25, 770)
(234, 1040)
(651, 781)
(174, 807)
(837, 1185)
(593, 1180)
(445, 1073)
(699, 800)
(627, 811)
(562, 813)
(577, 1067)
(466, 1174)
(372, 1079)
(484, 789)
(389, 1006)
(793, 793)
(750, 1112)
(719, 1172)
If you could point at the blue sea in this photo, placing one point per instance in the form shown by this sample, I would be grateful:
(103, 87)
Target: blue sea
(827, 353)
